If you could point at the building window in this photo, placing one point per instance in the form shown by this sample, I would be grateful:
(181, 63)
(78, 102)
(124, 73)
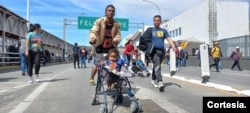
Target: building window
(176, 32)
(169, 33)
(173, 33)
(180, 31)
(166, 26)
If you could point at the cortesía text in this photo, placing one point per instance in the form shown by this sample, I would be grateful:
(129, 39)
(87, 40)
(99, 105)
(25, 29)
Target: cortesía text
(226, 104)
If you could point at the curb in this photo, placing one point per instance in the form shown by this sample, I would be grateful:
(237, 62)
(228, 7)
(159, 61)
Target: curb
(210, 84)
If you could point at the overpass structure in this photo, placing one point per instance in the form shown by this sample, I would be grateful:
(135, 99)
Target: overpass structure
(13, 27)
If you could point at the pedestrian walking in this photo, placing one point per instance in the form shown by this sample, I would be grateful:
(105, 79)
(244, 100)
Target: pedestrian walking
(128, 51)
(215, 52)
(83, 56)
(76, 51)
(104, 35)
(66, 56)
(23, 59)
(156, 36)
(236, 54)
(34, 48)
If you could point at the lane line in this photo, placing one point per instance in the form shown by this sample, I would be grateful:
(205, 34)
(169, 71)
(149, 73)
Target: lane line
(162, 101)
(22, 106)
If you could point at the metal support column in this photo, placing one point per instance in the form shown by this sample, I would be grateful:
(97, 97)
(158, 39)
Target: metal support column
(64, 35)
(4, 38)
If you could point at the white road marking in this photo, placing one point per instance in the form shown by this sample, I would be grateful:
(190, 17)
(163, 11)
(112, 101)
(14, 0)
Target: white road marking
(27, 101)
(210, 84)
(162, 101)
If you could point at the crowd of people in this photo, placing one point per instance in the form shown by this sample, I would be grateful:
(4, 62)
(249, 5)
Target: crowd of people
(104, 37)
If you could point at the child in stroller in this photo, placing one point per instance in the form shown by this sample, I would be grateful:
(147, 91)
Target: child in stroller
(139, 68)
(114, 64)
(110, 72)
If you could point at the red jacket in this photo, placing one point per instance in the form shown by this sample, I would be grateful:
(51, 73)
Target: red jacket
(128, 48)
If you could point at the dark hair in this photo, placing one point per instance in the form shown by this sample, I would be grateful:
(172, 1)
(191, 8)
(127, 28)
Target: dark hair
(110, 5)
(113, 51)
(76, 44)
(128, 42)
(157, 16)
(34, 27)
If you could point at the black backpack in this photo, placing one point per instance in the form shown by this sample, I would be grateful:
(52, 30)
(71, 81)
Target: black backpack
(145, 40)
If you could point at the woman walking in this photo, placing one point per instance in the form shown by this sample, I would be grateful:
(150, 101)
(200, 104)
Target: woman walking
(34, 49)
(83, 56)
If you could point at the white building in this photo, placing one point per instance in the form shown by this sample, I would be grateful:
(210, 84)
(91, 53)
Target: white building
(211, 20)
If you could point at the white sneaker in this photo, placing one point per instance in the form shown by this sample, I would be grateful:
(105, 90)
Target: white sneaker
(30, 79)
(161, 85)
(37, 79)
(154, 83)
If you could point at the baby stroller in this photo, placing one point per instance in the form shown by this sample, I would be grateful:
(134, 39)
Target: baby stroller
(137, 71)
(116, 91)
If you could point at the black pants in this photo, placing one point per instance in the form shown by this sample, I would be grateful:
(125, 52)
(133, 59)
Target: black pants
(76, 59)
(157, 56)
(216, 64)
(34, 57)
(236, 62)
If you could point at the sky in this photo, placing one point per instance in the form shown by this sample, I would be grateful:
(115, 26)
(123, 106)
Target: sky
(50, 13)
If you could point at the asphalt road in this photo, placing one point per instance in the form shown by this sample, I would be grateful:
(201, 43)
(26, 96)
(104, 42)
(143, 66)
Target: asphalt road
(64, 89)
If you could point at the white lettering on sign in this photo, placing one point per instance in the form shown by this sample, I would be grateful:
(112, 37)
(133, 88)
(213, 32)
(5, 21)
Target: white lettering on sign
(81, 22)
(87, 23)
(124, 24)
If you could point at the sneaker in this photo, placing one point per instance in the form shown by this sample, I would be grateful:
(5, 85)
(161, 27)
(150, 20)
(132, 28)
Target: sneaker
(37, 79)
(154, 83)
(30, 79)
(161, 85)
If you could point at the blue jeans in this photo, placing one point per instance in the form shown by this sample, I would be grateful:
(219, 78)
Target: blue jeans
(127, 58)
(23, 62)
(83, 59)
(183, 62)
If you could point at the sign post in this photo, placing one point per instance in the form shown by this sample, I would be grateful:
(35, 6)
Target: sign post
(205, 71)
(172, 62)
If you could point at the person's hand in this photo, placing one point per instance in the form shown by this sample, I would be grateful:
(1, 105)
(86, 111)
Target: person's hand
(27, 53)
(174, 49)
(92, 52)
(116, 42)
(92, 40)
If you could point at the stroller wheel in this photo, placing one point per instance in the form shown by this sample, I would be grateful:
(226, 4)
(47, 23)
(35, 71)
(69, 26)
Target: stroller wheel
(119, 98)
(134, 108)
(109, 108)
(94, 100)
(148, 74)
(140, 74)
(103, 109)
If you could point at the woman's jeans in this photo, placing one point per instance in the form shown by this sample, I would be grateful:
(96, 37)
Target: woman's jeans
(34, 58)
(83, 61)
(127, 58)
(23, 62)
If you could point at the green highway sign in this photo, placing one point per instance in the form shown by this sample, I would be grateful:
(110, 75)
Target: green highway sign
(88, 22)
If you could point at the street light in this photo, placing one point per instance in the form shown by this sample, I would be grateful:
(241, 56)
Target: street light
(28, 14)
(154, 5)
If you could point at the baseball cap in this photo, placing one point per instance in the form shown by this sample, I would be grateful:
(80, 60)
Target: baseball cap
(237, 47)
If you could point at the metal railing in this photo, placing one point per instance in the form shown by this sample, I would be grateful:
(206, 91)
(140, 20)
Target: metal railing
(10, 58)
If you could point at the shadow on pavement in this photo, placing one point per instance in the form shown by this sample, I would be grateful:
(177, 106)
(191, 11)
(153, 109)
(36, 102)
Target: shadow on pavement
(7, 79)
(170, 84)
(45, 72)
(55, 80)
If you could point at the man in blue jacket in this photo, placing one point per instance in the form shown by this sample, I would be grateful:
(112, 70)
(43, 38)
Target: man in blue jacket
(156, 36)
